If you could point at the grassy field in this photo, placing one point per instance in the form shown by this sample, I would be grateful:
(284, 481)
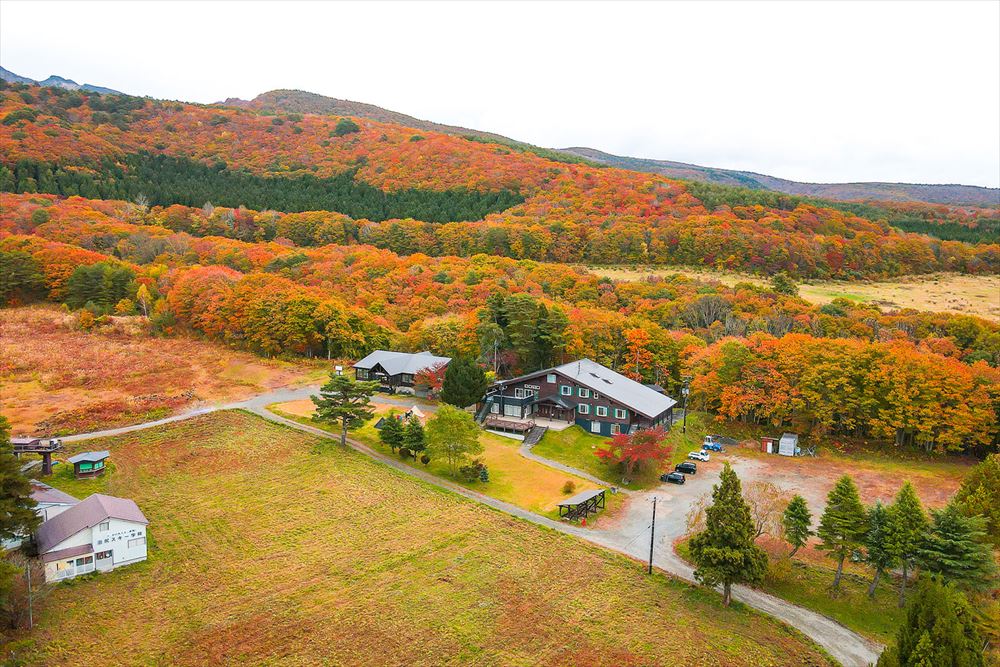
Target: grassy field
(513, 478)
(59, 380)
(272, 547)
(942, 292)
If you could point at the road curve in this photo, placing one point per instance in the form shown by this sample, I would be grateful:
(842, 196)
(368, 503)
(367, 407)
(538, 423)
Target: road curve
(846, 646)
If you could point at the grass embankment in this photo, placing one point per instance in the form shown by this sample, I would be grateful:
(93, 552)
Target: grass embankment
(513, 478)
(270, 546)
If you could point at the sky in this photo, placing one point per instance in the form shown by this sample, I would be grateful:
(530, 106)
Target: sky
(810, 91)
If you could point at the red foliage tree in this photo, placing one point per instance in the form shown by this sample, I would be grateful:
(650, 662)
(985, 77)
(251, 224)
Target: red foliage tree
(631, 450)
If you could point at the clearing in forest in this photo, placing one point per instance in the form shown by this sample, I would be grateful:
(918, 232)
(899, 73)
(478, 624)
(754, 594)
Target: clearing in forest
(59, 380)
(270, 546)
(940, 292)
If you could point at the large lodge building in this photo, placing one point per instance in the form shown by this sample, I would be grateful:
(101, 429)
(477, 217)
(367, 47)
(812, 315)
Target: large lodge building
(583, 392)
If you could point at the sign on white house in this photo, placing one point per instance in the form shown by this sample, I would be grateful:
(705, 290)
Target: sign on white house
(99, 533)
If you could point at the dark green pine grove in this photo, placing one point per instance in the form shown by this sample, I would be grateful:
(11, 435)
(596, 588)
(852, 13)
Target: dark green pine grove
(165, 180)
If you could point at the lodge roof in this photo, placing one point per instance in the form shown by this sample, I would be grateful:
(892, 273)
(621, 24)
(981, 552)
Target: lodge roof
(43, 494)
(86, 514)
(614, 385)
(396, 363)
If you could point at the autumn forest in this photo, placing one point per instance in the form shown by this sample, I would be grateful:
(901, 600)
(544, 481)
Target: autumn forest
(322, 236)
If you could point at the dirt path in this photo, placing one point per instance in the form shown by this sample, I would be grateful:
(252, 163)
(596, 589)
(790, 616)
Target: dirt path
(629, 535)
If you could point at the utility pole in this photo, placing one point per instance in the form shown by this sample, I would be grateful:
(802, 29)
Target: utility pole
(31, 620)
(684, 392)
(652, 533)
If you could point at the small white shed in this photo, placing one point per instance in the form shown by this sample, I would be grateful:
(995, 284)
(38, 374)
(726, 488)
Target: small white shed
(788, 445)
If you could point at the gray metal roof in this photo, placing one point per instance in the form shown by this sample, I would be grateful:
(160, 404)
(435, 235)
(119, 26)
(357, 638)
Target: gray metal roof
(617, 387)
(85, 514)
(582, 497)
(89, 457)
(395, 363)
(43, 494)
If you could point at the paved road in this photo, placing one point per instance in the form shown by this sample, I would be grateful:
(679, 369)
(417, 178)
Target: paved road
(630, 535)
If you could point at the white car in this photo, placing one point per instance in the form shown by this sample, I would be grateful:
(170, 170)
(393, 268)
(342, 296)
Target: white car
(699, 456)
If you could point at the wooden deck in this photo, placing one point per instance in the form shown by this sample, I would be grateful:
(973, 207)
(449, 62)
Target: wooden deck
(513, 425)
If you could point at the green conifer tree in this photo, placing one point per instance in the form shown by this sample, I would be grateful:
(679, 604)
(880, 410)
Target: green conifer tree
(797, 521)
(464, 383)
(879, 552)
(346, 401)
(392, 432)
(725, 552)
(843, 524)
(905, 532)
(955, 548)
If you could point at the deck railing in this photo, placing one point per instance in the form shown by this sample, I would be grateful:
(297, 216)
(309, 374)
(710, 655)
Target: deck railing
(74, 571)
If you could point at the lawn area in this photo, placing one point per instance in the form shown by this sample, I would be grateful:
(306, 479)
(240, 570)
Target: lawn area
(273, 547)
(59, 380)
(513, 478)
(575, 447)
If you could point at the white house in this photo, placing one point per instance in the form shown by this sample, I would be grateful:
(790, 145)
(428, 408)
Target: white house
(48, 503)
(99, 533)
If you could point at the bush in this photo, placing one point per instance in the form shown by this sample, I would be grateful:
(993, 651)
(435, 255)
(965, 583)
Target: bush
(475, 471)
(39, 216)
(405, 453)
(425, 459)
(345, 126)
(569, 487)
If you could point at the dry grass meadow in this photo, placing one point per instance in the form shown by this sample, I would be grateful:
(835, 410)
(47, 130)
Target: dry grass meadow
(272, 547)
(941, 292)
(56, 379)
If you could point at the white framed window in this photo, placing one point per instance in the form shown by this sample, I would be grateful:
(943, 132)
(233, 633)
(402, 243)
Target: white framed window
(519, 393)
(615, 429)
(583, 392)
(104, 526)
(551, 378)
(595, 427)
(620, 414)
(137, 542)
(495, 408)
(583, 409)
(362, 373)
(566, 390)
(602, 411)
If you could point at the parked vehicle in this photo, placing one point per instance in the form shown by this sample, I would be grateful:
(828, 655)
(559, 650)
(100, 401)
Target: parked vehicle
(699, 456)
(688, 468)
(711, 444)
(673, 478)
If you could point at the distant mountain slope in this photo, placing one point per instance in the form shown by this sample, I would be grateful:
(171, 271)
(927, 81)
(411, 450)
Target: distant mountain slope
(56, 82)
(300, 101)
(933, 194)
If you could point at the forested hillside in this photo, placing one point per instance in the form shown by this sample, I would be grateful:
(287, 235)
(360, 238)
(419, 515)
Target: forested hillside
(927, 379)
(409, 190)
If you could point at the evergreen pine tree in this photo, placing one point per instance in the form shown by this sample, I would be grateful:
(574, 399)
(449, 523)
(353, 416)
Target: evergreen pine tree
(725, 552)
(955, 549)
(464, 383)
(879, 552)
(905, 532)
(345, 400)
(17, 509)
(392, 432)
(797, 521)
(938, 630)
(980, 494)
(843, 524)
(414, 437)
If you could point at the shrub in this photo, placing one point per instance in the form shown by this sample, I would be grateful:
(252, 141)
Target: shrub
(569, 487)
(474, 471)
(425, 459)
(405, 453)
(345, 126)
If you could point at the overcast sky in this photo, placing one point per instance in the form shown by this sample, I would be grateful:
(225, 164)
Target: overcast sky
(811, 91)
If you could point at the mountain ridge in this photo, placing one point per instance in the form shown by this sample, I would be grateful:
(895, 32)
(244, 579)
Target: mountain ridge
(56, 81)
(299, 101)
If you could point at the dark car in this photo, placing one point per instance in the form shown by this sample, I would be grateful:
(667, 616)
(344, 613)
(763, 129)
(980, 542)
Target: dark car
(688, 468)
(673, 478)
